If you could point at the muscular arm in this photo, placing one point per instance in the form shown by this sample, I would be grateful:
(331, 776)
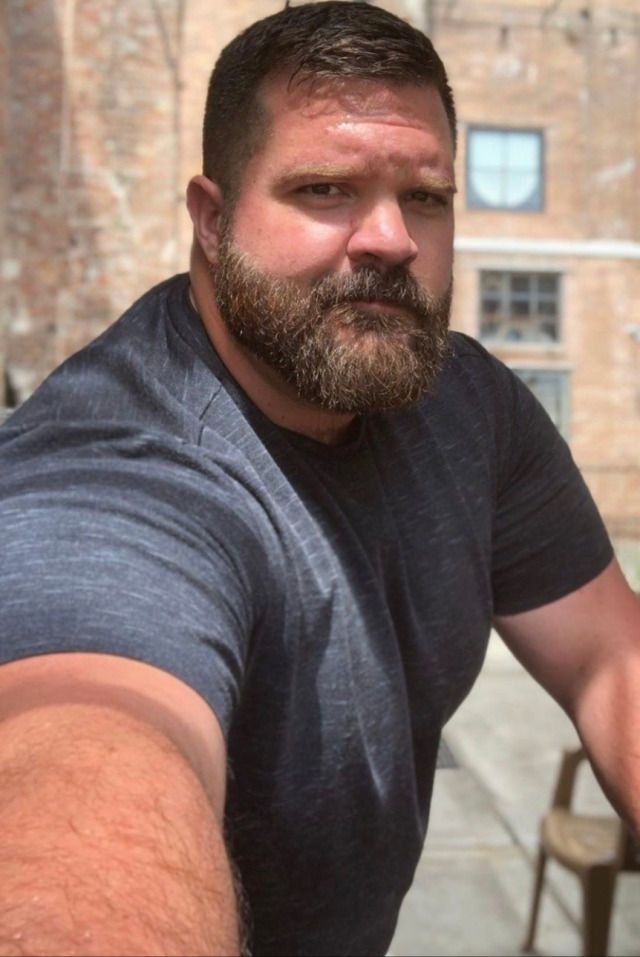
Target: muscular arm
(585, 650)
(111, 803)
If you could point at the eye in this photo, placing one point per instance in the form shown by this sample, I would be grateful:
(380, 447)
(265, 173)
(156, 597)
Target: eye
(427, 198)
(320, 189)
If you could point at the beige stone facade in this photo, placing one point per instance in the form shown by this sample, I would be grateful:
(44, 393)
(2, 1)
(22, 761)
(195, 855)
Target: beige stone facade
(100, 131)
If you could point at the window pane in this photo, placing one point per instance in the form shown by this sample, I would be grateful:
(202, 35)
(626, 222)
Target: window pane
(486, 149)
(522, 189)
(548, 282)
(514, 334)
(520, 307)
(523, 151)
(486, 189)
(549, 331)
(547, 307)
(492, 282)
(520, 282)
(490, 307)
(491, 330)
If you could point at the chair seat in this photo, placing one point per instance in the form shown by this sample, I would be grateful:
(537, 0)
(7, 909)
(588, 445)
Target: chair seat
(579, 841)
(596, 849)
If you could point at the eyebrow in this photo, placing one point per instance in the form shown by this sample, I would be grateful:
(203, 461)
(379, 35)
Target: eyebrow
(331, 171)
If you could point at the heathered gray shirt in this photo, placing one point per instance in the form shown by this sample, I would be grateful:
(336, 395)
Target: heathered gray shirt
(332, 605)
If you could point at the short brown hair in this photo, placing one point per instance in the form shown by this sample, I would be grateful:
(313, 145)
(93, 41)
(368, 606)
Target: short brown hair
(311, 41)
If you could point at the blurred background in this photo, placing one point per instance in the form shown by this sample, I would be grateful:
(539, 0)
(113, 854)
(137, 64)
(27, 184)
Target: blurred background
(100, 115)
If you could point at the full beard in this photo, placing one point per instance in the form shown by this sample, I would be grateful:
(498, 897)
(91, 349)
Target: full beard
(332, 353)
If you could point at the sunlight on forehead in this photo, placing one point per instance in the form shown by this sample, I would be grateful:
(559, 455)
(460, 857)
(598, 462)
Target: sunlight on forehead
(360, 97)
(355, 99)
(355, 128)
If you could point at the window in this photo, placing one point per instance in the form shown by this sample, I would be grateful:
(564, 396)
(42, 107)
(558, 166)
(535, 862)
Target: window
(520, 307)
(551, 388)
(504, 169)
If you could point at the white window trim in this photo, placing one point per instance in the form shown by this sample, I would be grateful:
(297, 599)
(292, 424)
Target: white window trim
(507, 246)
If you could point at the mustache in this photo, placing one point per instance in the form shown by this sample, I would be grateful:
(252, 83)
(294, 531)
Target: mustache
(396, 287)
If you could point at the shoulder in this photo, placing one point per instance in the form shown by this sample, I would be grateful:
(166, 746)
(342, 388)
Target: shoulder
(469, 360)
(149, 369)
(126, 542)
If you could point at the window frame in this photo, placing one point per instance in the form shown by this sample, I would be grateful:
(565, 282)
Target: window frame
(506, 130)
(503, 345)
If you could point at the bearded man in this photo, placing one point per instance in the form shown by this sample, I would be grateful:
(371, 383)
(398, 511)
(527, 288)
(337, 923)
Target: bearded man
(254, 538)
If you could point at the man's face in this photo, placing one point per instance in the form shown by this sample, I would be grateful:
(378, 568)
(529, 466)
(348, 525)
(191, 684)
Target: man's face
(335, 268)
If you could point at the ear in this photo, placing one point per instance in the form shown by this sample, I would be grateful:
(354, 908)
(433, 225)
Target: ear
(205, 203)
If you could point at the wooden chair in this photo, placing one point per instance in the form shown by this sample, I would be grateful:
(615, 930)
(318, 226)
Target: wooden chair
(595, 848)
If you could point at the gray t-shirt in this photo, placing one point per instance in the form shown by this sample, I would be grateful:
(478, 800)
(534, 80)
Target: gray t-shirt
(331, 604)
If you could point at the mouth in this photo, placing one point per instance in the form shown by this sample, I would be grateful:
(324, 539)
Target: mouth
(382, 317)
(375, 321)
(379, 307)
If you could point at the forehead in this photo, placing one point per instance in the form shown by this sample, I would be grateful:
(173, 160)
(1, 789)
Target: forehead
(357, 113)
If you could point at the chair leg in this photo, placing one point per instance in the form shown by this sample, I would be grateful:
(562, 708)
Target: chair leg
(535, 903)
(598, 885)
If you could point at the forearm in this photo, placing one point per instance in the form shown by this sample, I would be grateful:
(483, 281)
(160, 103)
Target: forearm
(585, 650)
(109, 844)
(607, 716)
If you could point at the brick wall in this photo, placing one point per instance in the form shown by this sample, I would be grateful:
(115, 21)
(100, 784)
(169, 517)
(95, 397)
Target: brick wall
(93, 175)
(576, 77)
(100, 126)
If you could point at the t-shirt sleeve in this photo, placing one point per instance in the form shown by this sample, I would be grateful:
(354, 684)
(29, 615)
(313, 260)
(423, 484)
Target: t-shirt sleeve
(549, 538)
(129, 544)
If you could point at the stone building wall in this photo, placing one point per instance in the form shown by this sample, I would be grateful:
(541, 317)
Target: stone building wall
(100, 129)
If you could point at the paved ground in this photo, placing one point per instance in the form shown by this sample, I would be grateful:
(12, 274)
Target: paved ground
(473, 886)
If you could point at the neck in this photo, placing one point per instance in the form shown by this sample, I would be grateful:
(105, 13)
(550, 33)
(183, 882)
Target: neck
(264, 386)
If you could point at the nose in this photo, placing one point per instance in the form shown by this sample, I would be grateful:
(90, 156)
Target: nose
(380, 238)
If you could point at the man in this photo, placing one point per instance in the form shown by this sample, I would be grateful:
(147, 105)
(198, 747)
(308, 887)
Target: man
(254, 536)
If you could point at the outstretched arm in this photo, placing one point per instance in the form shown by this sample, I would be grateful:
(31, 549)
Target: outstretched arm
(111, 803)
(585, 650)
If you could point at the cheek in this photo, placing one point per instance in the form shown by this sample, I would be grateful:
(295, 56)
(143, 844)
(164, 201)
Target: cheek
(289, 244)
(435, 260)
(434, 269)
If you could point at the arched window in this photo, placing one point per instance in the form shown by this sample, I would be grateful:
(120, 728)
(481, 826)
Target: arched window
(504, 169)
